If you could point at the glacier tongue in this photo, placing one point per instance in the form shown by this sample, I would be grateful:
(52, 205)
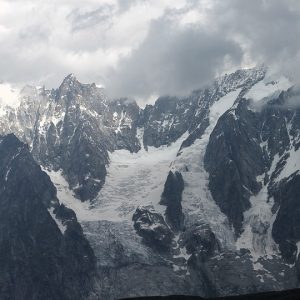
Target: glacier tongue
(197, 201)
(133, 179)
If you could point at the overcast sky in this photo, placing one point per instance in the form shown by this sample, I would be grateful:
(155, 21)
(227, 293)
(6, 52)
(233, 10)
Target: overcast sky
(142, 48)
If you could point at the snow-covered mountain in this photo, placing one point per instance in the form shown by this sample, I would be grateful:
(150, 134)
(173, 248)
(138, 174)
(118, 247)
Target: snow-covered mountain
(196, 195)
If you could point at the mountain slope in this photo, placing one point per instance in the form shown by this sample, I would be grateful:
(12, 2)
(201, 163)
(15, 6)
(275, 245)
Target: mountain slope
(42, 250)
(194, 195)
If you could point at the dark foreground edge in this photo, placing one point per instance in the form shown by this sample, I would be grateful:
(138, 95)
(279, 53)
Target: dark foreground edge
(282, 295)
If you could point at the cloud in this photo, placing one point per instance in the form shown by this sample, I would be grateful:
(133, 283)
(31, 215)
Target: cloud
(293, 100)
(140, 48)
(83, 20)
(267, 30)
(176, 59)
(173, 60)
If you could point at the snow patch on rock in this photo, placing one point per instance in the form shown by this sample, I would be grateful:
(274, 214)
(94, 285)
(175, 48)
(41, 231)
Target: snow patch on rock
(292, 164)
(258, 223)
(67, 197)
(269, 87)
(58, 222)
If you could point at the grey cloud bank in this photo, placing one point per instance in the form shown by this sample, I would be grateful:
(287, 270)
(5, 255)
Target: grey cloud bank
(171, 61)
(140, 48)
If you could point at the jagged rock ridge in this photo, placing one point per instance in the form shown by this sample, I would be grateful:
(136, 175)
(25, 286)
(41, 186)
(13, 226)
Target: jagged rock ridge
(224, 163)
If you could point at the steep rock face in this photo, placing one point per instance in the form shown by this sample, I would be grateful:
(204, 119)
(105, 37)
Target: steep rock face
(72, 139)
(250, 150)
(286, 228)
(234, 159)
(171, 197)
(72, 129)
(167, 120)
(42, 249)
(125, 119)
(170, 117)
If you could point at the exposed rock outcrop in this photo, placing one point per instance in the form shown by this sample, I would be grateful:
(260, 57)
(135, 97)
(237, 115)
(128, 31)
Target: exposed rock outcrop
(201, 240)
(171, 197)
(151, 226)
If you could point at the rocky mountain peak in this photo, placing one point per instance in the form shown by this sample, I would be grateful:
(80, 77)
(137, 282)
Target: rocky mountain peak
(70, 86)
(69, 79)
(173, 190)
